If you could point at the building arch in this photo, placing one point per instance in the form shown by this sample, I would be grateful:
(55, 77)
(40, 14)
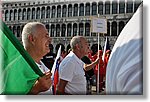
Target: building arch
(69, 29)
(52, 30)
(81, 10)
(10, 28)
(6, 15)
(70, 10)
(114, 28)
(15, 14)
(64, 11)
(87, 9)
(121, 26)
(58, 11)
(87, 29)
(14, 30)
(108, 29)
(114, 7)
(100, 8)
(57, 30)
(19, 14)
(11, 15)
(43, 13)
(94, 8)
(75, 29)
(129, 8)
(28, 13)
(107, 7)
(122, 7)
(38, 13)
(75, 12)
(53, 12)
(48, 12)
(33, 13)
(24, 14)
(18, 31)
(63, 32)
(81, 29)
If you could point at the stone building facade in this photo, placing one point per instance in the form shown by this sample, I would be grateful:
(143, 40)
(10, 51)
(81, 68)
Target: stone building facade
(67, 18)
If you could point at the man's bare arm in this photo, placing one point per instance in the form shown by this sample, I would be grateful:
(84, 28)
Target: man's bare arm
(61, 87)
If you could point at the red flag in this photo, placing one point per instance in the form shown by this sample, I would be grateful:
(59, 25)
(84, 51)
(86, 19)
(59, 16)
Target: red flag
(56, 76)
(55, 70)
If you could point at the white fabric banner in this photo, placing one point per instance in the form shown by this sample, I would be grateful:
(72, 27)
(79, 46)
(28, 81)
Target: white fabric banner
(125, 66)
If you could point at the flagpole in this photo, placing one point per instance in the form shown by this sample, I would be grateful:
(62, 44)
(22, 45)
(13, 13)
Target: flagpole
(98, 68)
(104, 49)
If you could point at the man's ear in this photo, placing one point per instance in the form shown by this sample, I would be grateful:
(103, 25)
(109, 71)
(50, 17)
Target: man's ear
(78, 46)
(30, 38)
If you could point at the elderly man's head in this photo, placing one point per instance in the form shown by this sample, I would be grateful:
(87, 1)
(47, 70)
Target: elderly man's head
(79, 44)
(35, 36)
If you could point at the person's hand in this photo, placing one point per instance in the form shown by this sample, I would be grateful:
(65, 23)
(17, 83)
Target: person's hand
(45, 82)
(42, 84)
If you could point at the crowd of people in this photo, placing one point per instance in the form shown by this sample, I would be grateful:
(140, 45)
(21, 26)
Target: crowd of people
(80, 62)
(77, 59)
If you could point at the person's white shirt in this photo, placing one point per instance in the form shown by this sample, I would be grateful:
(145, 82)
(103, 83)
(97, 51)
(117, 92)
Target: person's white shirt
(44, 69)
(124, 69)
(71, 70)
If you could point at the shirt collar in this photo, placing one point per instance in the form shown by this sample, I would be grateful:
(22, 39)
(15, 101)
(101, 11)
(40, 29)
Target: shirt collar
(42, 67)
(77, 59)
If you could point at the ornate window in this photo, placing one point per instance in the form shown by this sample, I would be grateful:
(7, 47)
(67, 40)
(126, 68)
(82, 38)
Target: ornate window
(87, 29)
(100, 8)
(59, 11)
(57, 30)
(28, 13)
(6, 16)
(33, 13)
(114, 7)
(43, 13)
(11, 15)
(74, 29)
(64, 10)
(63, 30)
(52, 30)
(75, 10)
(69, 30)
(108, 29)
(24, 14)
(19, 14)
(48, 12)
(38, 13)
(121, 26)
(81, 29)
(81, 10)
(114, 29)
(122, 7)
(18, 31)
(94, 9)
(87, 9)
(53, 12)
(70, 10)
(14, 30)
(129, 7)
(107, 7)
(15, 14)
